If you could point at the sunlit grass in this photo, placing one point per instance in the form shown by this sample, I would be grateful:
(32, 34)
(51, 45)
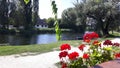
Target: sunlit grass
(9, 50)
(114, 33)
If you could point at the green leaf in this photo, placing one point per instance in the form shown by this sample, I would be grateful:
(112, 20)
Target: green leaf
(53, 2)
(57, 29)
(26, 1)
(108, 48)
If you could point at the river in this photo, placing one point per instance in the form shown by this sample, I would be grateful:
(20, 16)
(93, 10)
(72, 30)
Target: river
(36, 39)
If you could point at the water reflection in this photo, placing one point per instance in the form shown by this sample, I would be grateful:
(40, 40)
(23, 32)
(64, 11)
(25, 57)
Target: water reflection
(46, 38)
(35, 39)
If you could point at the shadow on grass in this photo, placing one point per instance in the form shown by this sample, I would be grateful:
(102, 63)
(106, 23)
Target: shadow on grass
(111, 36)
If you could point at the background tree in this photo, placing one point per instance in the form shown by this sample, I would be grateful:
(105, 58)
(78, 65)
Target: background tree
(50, 21)
(16, 14)
(35, 11)
(80, 15)
(28, 14)
(104, 13)
(4, 5)
(68, 19)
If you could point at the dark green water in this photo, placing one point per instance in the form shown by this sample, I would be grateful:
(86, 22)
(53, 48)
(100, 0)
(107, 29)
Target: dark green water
(35, 39)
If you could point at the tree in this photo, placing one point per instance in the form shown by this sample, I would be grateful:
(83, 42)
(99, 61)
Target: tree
(50, 21)
(104, 13)
(35, 11)
(74, 18)
(28, 14)
(4, 13)
(16, 16)
(68, 19)
(80, 15)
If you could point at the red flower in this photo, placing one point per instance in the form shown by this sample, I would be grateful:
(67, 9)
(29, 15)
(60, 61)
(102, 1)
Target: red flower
(89, 36)
(65, 47)
(94, 35)
(87, 40)
(100, 44)
(96, 42)
(107, 42)
(64, 65)
(81, 47)
(63, 54)
(85, 56)
(73, 55)
(116, 44)
(117, 55)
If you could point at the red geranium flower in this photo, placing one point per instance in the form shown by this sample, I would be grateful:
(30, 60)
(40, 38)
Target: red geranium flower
(73, 55)
(107, 42)
(64, 65)
(81, 47)
(85, 56)
(63, 54)
(116, 44)
(65, 47)
(94, 35)
(89, 36)
(96, 42)
(87, 40)
(117, 55)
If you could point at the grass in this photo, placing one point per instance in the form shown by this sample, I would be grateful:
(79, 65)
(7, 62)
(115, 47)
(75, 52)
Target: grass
(42, 48)
(52, 30)
(114, 33)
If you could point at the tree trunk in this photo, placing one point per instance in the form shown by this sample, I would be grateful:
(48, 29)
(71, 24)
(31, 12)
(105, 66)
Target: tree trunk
(28, 16)
(105, 32)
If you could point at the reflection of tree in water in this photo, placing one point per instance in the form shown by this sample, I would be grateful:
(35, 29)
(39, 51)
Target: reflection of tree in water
(22, 39)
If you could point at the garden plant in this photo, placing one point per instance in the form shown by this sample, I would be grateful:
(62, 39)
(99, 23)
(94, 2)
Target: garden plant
(91, 52)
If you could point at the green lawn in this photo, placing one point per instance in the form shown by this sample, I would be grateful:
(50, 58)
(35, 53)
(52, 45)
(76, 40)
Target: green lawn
(114, 33)
(9, 50)
(41, 48)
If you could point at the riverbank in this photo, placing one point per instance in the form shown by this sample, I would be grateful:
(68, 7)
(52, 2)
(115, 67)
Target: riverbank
(33, 31)
(38, 48)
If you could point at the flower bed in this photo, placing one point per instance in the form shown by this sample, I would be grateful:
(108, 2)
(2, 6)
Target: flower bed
(90, 53)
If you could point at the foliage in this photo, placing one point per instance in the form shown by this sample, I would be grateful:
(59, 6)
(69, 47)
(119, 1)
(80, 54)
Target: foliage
(68, 18)
(90, 53)
(18, 13)
(28, 14)
(50, 22)
(4, 13)
(100, 15)
(26, 1)
(104, 13)
(35, 9)
(56, 23)
(80, 15)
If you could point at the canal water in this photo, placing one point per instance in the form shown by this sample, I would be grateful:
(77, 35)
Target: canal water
(36, 39)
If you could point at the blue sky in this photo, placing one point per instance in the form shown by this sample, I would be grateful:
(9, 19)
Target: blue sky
(45, 10)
